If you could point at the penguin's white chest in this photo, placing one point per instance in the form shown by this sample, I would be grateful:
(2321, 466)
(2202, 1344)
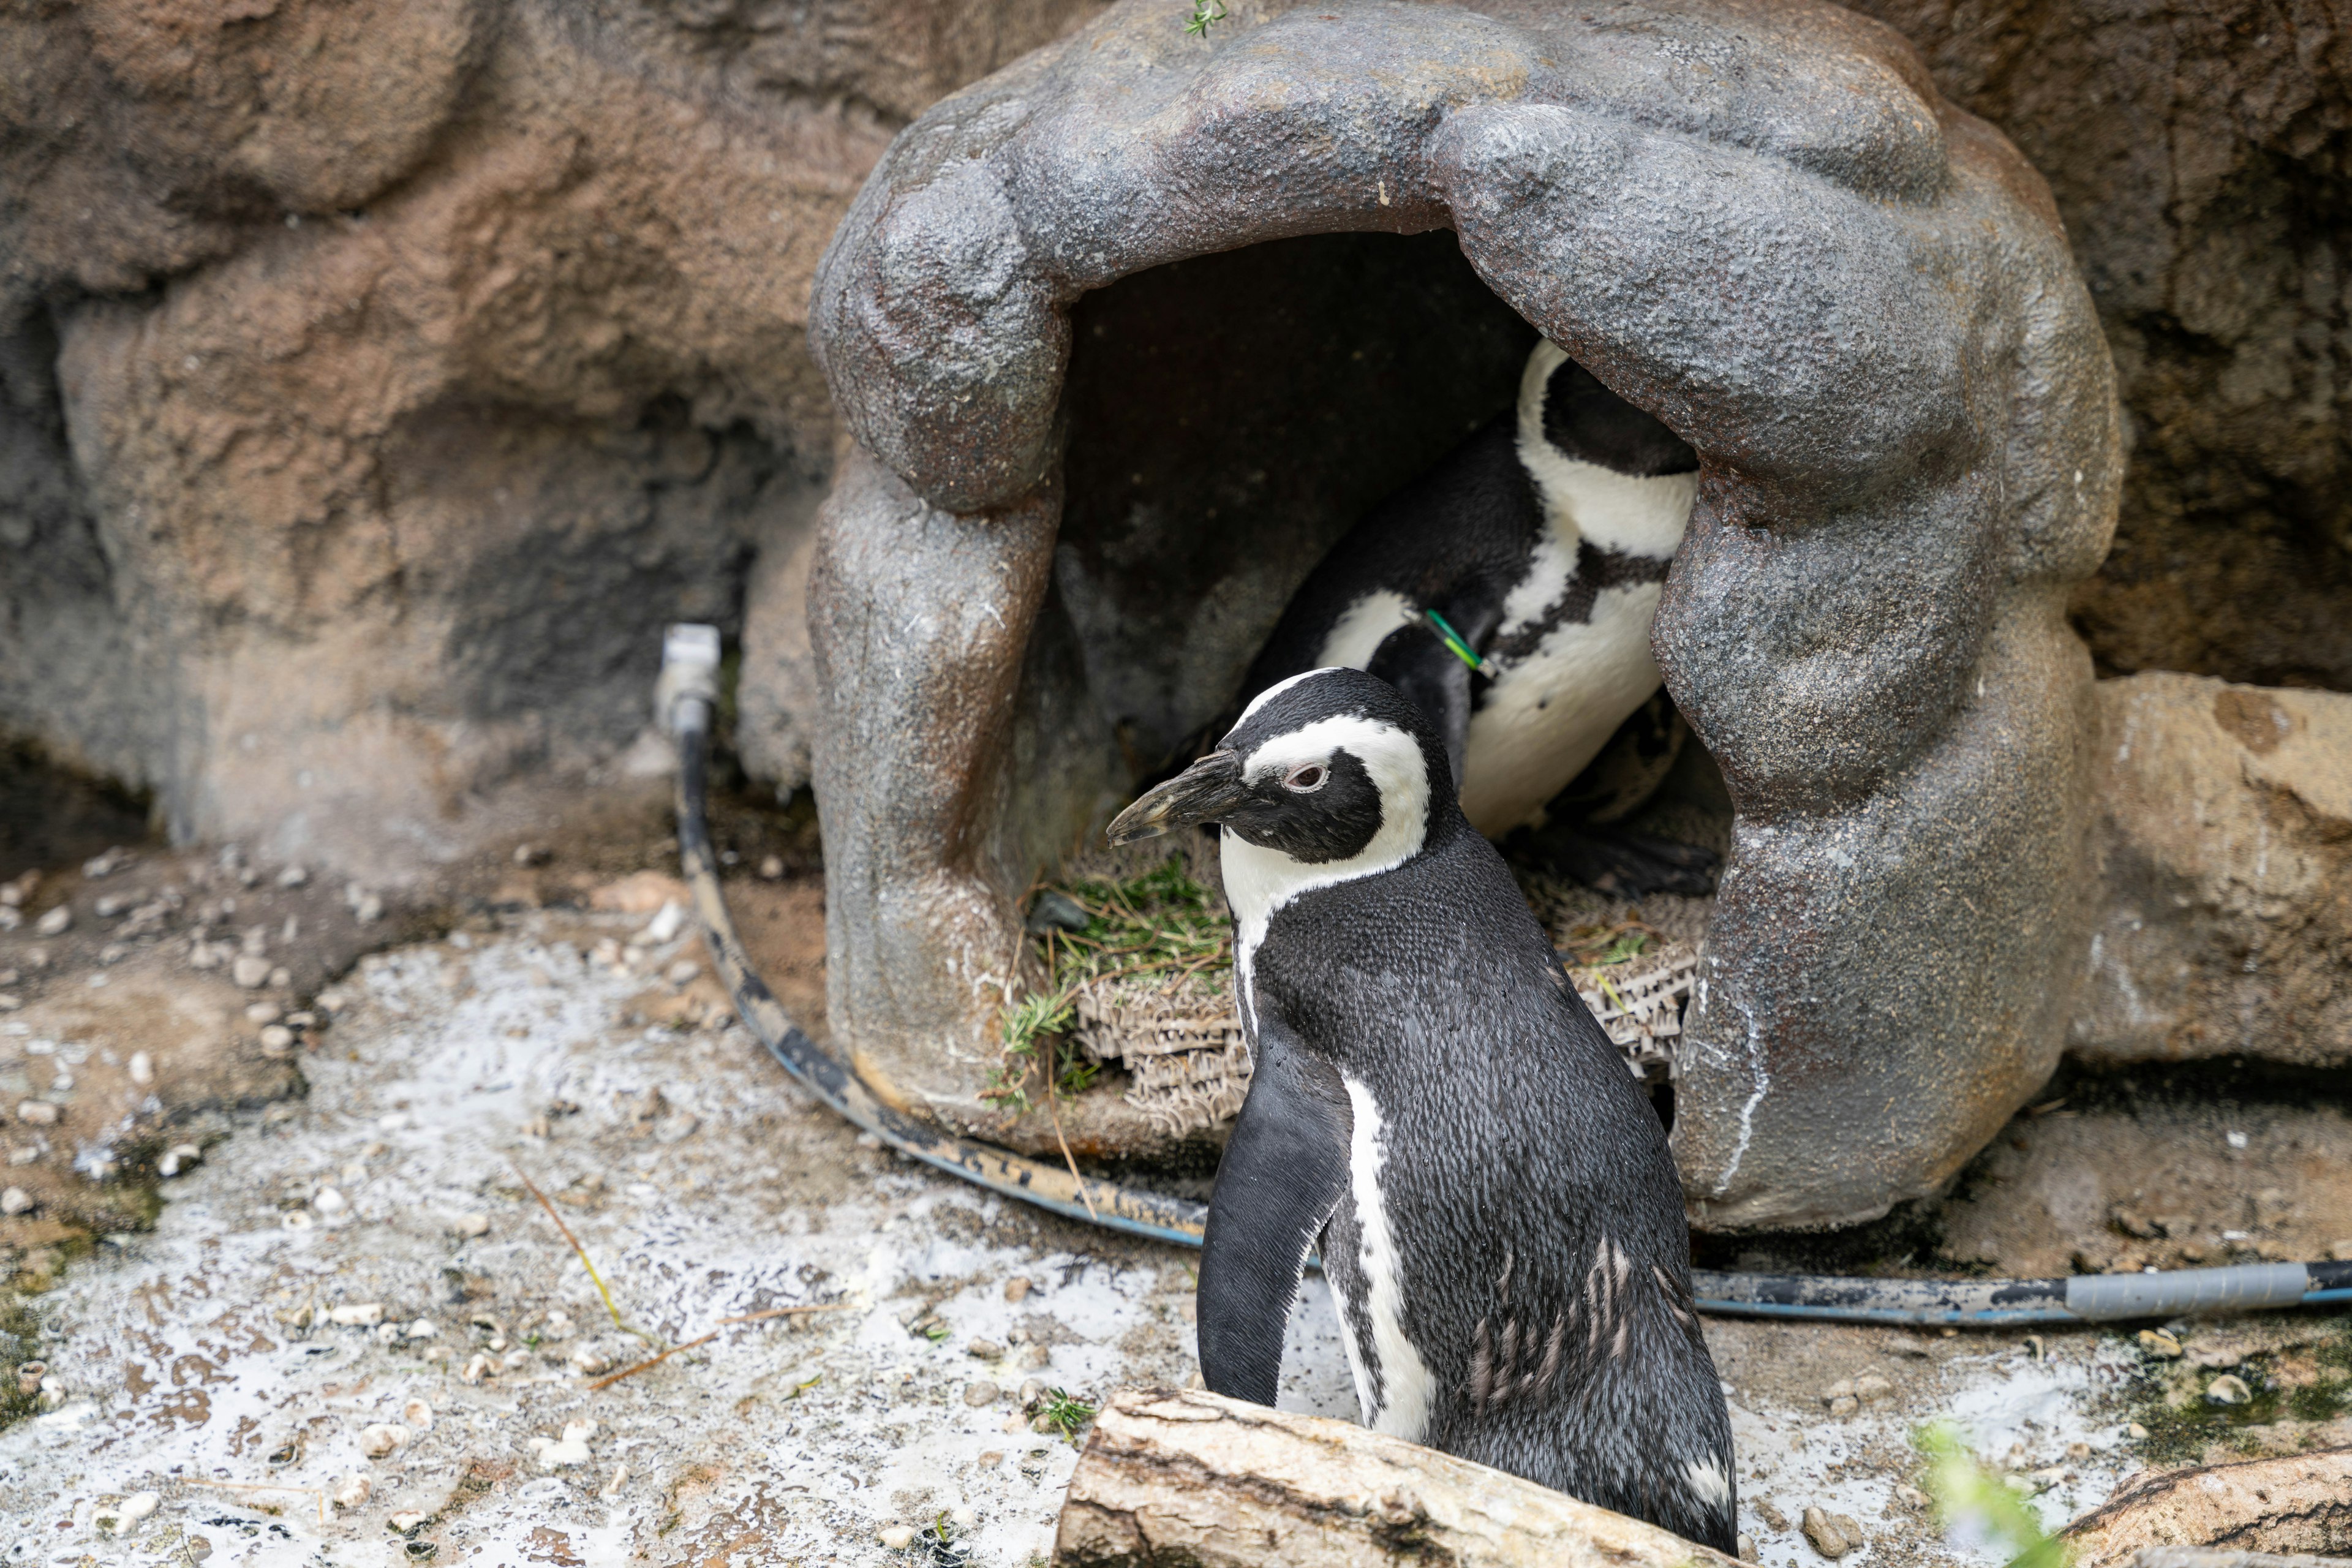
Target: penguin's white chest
(1551, 710)
(1561, 681)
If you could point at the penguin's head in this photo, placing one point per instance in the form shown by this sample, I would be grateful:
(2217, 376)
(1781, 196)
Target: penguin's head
(1331, 767)
(1564, 405)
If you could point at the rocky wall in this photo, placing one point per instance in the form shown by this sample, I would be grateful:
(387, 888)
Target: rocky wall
(377, 377)
(2201, 156)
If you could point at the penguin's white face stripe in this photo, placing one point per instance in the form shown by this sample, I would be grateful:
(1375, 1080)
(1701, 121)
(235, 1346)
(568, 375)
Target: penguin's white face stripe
(1276, 690)
(1366, 624)
(1260, 880)
(1406, 1386)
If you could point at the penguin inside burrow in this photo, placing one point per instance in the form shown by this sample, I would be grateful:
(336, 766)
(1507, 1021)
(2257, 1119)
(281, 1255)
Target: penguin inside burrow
(1509, 591)
(1498, 1216)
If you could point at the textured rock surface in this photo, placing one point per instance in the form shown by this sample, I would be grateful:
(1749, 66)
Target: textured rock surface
(1901, 481)
(2201, 156)
(375, 379)
(2225, 840)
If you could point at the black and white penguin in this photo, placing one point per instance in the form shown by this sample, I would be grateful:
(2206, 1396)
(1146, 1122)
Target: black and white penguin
(1508, 591)
(1498, 1216)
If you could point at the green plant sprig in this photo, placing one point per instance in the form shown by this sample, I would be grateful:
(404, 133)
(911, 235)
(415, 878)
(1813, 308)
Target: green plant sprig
(1161, 922)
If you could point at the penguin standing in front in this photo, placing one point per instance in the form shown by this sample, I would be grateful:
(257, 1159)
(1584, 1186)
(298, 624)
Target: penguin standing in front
(1508, 592)
(1499, 1219)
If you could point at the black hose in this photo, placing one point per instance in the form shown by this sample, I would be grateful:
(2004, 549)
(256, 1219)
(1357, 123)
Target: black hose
(1976, 1303)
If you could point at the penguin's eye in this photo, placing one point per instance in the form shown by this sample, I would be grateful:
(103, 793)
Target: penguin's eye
(1306, 780)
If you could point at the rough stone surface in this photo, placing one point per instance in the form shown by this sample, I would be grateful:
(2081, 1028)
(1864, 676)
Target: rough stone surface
(376, 379)
(1902, 480)
(2199, 156)
(2225, 841)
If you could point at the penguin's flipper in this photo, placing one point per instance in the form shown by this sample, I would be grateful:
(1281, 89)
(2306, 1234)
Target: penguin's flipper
(1416, 661)
(1284, 1172)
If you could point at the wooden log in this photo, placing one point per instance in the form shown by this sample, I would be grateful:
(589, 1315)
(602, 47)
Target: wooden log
(2298, 1504)
(1187, 1477)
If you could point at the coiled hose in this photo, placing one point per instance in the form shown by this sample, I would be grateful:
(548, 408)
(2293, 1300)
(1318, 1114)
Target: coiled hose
(687, 697)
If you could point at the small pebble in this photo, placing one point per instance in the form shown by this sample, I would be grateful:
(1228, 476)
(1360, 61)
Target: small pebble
(417, 1413)
(15, 1201)
(2158, 1343)
(1747, 1549)
(329, 1201)
(1037, 1356)
(352, 1491)
(38, 1113)
(142, 1068)
(1833, 1534)
(895, 1537)
(470, 1226)
(1909, 1496)
(2136, 1432)
(572, 1449)
(293, 875)
(250, 972)
(264, 1013)
(1870, 1388)
(295, 1219)
(57, 922)
(1017, 1288)
(480, 1367)
(382, 1441)
(772, 867)
(407, 1522)
(2228, 1389)
(589, 1362)
(277, 1040)
(357, 1315)
(981, 1394)
(682, 973)
(423, 1329)
(1033, 1391)
(112, 904)
(281, 977)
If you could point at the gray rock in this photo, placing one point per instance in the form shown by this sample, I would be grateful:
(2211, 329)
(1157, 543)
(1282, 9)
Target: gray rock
(1869, 326)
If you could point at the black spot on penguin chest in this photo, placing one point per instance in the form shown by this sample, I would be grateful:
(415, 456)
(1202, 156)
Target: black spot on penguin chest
(1573, 603)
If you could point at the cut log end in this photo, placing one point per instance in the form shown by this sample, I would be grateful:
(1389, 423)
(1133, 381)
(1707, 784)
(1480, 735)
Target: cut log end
(1183, 1476)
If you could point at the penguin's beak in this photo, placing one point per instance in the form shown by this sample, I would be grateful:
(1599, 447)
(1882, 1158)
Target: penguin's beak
(1201, 793)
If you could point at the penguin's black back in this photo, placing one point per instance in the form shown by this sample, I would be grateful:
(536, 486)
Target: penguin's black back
(1519, 1158)
(1457, 538)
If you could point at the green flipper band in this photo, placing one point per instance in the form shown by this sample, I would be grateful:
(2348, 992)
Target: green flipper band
(1452, 639)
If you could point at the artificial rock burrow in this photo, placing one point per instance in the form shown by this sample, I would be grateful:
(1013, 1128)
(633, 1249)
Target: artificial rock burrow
(1759, 222)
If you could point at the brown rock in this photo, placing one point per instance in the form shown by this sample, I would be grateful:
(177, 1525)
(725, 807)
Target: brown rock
(2195, 154)
(2225, 839)
(1833, 1534)
(397, 433)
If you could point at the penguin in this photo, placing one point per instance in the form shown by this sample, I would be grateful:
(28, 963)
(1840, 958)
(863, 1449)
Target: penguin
(1508, 591)
(1498, 1216)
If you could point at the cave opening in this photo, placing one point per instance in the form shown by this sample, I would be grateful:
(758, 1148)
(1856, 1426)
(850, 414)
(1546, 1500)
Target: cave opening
(1227, 419)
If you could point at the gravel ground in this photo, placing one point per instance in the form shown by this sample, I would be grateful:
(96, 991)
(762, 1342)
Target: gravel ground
(365, 1268)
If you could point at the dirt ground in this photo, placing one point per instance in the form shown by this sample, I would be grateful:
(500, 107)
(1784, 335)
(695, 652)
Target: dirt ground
(354, 1263)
